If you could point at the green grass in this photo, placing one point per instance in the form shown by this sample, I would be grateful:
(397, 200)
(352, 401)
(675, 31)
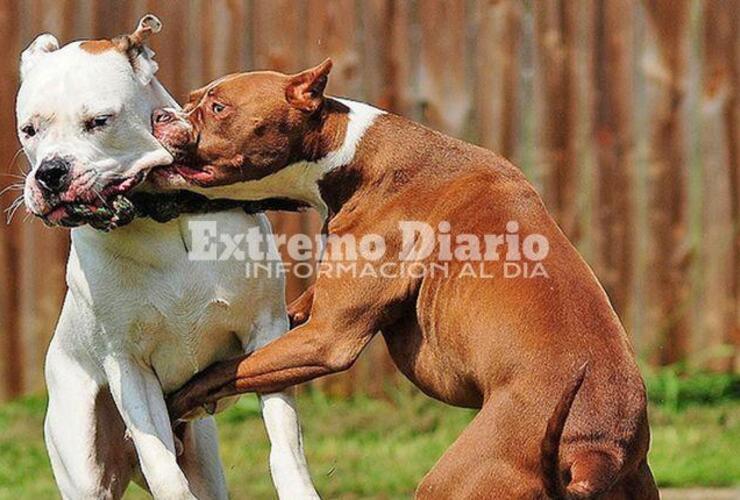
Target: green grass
(369, 448)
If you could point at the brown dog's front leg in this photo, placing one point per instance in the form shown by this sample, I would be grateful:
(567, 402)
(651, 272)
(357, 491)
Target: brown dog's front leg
(302, 354)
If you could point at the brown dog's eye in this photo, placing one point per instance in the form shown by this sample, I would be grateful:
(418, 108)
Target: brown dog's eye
(217, 107)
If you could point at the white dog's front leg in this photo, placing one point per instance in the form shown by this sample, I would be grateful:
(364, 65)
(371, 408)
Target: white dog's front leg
(138, 396)
(287, 461)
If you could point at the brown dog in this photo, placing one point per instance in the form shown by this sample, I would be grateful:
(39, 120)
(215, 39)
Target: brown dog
(545, 358)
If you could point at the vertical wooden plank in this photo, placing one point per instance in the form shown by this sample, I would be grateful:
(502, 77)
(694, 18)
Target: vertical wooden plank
(557, 101)
(169, 45)
(41, 258)
(332, 32)
(402, 92)
(642, 340)
(375, 52)
(385, 67)
(208, 69)
(235, 46)
(733, 130)
(192, 57)
(613, 139)
(718, 259)
(496, 97)
(279, 28)
(335, 32)
(279, 44)
(526, 152)
(224, 23)
(10, 346)
(389, 46)
(109, 18)
(443, 87)
(668, 254)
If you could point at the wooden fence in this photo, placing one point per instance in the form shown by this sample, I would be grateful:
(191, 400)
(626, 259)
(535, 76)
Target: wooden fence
(625, 114)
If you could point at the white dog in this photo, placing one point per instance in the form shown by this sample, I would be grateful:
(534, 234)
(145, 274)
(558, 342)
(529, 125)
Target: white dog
(139, 318)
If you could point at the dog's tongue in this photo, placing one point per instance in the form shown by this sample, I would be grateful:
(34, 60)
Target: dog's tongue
(57, 215)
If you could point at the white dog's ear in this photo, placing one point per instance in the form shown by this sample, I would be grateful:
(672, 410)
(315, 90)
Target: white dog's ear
(43, 44)
(141, 56)
(144, 65)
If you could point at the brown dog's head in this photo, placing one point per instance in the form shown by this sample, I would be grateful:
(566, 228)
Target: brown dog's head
(243, 127)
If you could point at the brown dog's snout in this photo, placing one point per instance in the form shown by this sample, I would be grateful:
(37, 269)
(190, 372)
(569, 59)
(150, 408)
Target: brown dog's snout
(170, 127)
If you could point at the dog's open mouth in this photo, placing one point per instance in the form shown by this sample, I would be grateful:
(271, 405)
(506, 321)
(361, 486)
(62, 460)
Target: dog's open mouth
(107, 210)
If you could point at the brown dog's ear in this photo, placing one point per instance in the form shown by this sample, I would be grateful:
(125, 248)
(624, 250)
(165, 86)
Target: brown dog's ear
(305, 91)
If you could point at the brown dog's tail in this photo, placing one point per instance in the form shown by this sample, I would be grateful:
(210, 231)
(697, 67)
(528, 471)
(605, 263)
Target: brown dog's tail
(592, 472)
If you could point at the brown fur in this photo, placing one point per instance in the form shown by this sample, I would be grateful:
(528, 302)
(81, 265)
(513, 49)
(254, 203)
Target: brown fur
(510, 347)
(130, 45)
(97, 46)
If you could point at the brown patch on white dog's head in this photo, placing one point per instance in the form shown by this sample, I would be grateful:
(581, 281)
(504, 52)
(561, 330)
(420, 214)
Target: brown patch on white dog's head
(97, 46)
(133, 46)
(125, 43)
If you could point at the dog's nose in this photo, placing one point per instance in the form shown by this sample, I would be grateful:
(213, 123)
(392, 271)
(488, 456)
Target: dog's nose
(162, 115)
(54, 175)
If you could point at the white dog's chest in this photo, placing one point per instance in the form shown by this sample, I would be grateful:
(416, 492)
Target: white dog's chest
(181, 330)
(171, 313)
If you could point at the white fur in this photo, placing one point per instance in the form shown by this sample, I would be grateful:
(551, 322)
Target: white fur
(43, 44)
(299, 181)
(140, 318)
(68, 86)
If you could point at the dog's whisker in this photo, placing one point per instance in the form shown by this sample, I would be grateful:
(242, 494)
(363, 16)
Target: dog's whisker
(13, 209)
(14, 176)
(13, 160)
(11, 187)
(13, 204)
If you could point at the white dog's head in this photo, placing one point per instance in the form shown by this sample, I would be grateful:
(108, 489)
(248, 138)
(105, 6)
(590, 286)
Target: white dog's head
(83, 114)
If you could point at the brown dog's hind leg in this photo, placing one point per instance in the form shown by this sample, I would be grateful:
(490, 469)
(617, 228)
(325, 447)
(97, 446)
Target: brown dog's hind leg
(480, 463)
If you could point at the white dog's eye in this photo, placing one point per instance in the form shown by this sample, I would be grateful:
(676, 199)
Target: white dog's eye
(97, 122)
(28, 130)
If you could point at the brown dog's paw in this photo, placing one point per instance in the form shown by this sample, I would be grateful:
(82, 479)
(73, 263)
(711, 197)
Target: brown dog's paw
(300, 309)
